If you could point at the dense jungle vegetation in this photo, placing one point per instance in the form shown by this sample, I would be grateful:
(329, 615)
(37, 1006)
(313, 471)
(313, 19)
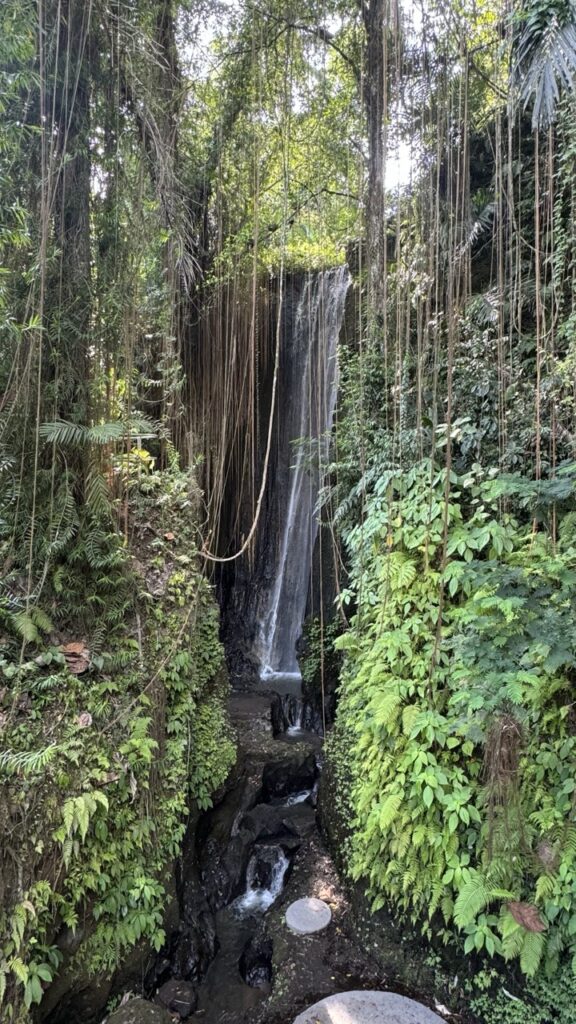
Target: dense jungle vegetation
(161, 162)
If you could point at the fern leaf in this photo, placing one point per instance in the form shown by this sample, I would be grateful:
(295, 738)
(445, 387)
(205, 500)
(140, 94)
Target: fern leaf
(24, 626)
(531, 953)
(473, 897)
(389, 810)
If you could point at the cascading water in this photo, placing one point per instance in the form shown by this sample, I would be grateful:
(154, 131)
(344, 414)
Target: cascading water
(264, 881)
(308, 388)
(295, 726)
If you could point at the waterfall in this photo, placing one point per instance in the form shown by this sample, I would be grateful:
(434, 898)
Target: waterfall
(264, 881)
(307, 398)
(296, 723)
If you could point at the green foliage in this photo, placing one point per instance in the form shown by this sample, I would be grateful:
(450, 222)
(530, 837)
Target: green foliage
(115, 757)
(541, 1001)
(546, 56)
(455, 702)
(319, 657)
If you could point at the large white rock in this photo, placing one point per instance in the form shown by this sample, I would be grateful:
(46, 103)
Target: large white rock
(368, 1008)
(308, 915)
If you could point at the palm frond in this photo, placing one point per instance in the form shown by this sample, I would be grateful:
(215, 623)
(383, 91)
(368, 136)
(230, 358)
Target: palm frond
(545, 65)
(77, 436)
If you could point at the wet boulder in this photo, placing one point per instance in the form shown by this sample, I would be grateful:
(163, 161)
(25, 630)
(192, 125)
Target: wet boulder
(178, 996)
(299, 820)
(224, 867)
(193, 949)
(295, 774)
(139, 1011)
(263, 868)
(256, 962)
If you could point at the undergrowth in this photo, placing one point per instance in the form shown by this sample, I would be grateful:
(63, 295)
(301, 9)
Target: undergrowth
(540, 1001)
(101, 762)
(456, 721)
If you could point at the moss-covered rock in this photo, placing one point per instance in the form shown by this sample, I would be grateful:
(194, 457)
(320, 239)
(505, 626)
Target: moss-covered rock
(139, 1011)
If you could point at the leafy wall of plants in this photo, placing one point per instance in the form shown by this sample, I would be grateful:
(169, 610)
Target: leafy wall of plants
(455, 741)
(101, 769)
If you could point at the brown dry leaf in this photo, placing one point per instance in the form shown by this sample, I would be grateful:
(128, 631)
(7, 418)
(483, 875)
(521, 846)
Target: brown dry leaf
(527, 915)
(76, 647)
(78, 665)
(77, 656)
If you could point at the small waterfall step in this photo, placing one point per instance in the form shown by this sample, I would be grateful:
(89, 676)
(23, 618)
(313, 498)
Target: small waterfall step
(264, 881)
(368, 1008)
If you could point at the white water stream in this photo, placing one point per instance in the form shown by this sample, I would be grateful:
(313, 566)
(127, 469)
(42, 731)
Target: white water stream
(257, 897)
(306, 411)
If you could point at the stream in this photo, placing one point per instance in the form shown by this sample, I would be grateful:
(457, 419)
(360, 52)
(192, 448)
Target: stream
(277, 796)
(238, 863)
(246, 847)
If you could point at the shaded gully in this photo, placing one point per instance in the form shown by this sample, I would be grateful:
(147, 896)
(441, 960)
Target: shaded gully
(237, 861)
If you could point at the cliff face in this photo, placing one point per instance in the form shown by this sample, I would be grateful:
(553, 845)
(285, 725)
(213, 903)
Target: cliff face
(265, 595)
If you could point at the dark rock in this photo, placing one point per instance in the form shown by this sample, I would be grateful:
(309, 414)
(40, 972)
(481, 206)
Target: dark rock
(139, 1011)
(159, 972)
(224, 867)
(225, 844)
(288, 776)
(277, 715)
(193, 945)
(194, 948)
(178, 997)
(268, 821)
(264, 862)
(256, 962)
(262, 822)
(299, 820)
(69, 940)
(290, 712)
(83, 1000)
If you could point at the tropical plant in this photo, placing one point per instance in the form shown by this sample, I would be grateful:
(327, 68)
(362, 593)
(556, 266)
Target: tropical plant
(456, 693)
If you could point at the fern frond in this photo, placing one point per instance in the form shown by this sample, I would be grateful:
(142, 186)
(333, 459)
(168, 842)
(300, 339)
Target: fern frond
(473, 897)
(531, 953)
(26, 761)
(97, 493)
(546, 59)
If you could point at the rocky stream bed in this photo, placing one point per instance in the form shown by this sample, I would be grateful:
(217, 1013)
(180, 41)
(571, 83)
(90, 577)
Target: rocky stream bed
(230, 958)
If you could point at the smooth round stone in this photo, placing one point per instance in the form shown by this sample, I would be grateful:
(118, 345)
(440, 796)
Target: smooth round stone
(308, 915)
(368, 1008)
